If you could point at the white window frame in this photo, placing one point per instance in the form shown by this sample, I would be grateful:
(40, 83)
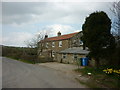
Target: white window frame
(53, 54)
(81, 42)
(64, 55)
(46, 45)
(75, 55)
(60, 43)
(53, 44)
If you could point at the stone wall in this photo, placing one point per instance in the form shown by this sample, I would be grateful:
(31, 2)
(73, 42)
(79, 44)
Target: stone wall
(65, 45)
(76, 40)
(69, 58)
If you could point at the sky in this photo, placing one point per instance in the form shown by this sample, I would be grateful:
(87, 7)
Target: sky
(22, 21)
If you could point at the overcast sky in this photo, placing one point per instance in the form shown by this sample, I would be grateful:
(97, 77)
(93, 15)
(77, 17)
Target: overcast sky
(21, 21)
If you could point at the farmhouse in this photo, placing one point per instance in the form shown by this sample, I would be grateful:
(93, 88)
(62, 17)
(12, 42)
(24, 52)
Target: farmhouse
(56, 47)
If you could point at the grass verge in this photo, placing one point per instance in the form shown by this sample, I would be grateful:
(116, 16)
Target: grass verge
(25, 61)
(90, 85)
(99, 78)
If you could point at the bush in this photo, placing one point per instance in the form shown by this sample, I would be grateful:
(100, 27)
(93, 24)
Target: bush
(18, 53)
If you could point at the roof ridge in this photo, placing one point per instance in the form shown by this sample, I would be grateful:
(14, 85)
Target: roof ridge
(64, 35)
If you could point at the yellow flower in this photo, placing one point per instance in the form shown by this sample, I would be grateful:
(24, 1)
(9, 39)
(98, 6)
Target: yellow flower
(116, 71)
(110, 70)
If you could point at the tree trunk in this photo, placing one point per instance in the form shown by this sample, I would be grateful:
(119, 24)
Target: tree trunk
(97, 62)
(84, 47)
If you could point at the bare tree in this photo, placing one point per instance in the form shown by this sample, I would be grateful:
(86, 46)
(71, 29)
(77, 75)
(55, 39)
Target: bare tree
(116, 11)
(33, 43)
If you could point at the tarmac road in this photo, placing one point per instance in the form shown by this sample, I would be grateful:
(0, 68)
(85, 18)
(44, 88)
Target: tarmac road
(16, 74)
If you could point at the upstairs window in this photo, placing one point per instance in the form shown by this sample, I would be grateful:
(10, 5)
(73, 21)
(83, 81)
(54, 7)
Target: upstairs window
(81, 42)
(60, 43)
(53, 44)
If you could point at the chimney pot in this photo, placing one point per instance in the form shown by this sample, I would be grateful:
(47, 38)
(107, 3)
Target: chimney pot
(59, 33)
(46, 36)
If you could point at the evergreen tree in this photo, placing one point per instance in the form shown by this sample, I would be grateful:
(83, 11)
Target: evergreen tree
(97, 35)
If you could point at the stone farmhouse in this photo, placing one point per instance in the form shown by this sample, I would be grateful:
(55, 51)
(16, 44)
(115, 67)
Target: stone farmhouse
(63, 48)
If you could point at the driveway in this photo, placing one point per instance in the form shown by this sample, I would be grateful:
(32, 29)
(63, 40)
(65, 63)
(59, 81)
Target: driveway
(16, 74)
(68, 68)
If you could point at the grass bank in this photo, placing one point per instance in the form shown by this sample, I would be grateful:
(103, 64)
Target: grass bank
(98, 78)
(22, 60)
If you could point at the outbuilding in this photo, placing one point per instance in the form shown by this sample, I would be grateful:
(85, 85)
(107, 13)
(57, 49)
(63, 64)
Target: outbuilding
(71, 55)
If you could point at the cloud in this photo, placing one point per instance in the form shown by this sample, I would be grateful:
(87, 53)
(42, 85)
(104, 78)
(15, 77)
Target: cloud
(52, 30)
(19, 38)
(21, 20)
(16, 38)
(53, 12)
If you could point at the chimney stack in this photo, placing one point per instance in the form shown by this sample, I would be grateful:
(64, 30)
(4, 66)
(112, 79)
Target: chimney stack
(59, 33)
(46, 36)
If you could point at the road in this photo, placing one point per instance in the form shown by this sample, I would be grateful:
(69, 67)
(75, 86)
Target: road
(16, 74)
(0, 72)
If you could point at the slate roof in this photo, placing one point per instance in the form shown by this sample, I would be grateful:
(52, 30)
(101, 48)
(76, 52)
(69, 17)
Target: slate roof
(75, 50)
(62, 37)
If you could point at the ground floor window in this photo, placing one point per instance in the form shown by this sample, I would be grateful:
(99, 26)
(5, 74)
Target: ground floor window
(64, 55)
(75, 56)
(46, 45)
(53, 54)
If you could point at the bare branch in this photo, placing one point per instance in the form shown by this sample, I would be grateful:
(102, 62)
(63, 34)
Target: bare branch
(33, 43)
(116, 11)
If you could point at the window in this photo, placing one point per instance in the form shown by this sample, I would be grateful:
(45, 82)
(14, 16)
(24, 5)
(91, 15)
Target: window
(53, 54)
(75, 56)
(60, 43)
(53, 44)
(81, 42)
(64, 55)
(46, 45)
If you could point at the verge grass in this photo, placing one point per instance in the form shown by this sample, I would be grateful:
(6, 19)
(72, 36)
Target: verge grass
(99, 78)
(22, 60)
